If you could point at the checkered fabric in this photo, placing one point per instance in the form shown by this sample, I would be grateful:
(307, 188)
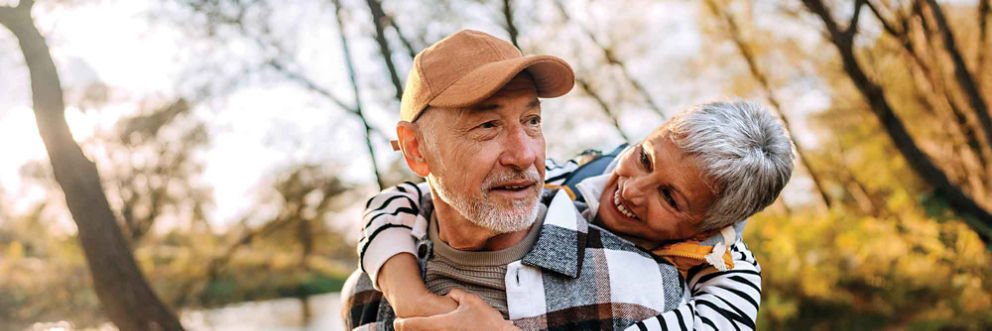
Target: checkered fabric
(721, 300)
(577, 276)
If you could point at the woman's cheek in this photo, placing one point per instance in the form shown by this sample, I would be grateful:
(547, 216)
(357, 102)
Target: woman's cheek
(624, 167)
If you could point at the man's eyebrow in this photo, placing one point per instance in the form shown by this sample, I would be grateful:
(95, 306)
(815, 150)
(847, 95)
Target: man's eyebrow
(486, 106)
(534, 103)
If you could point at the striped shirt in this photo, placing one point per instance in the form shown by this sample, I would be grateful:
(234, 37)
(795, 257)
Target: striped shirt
(721, 300)
(576, 276)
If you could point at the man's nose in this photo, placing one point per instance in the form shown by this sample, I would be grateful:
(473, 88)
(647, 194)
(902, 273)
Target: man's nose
(519, 149)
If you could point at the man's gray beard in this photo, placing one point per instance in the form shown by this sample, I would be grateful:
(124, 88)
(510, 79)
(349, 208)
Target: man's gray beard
(485, 213)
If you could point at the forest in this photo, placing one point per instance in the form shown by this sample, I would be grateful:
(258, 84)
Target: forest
(166, 160)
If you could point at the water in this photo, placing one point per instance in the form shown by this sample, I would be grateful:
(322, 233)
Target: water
(280, 314)
(322, 312)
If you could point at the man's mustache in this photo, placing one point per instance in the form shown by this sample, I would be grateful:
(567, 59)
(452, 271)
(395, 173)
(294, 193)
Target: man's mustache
(511, 177)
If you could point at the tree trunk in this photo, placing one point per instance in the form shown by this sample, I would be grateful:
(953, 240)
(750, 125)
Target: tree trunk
(970, 211)
(124, 294)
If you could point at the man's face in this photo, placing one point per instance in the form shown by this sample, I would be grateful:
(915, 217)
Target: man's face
(657, 192)
(487, 160)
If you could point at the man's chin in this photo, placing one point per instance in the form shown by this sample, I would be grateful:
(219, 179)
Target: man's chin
(506, 220)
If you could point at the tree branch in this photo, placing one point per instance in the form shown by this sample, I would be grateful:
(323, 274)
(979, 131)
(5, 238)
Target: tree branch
(762, 79)
(411, 50)
(885, 23)
(936, 85)
(961, 74)
(984, 11)
(379, 20)
(308, 84)
(510, 27)
(970, 211)
(354, 88)
(612, 59)
(605, 107)
(852, 26)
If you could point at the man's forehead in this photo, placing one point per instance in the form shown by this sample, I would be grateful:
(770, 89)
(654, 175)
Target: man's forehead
(520, 82)
(521, 86)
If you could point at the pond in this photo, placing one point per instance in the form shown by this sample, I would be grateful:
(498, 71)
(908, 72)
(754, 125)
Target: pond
(321, 312)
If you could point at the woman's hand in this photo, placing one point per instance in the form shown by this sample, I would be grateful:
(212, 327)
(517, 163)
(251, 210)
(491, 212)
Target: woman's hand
(472, 314)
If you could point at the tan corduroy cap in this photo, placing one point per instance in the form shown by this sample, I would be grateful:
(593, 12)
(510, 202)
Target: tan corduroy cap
(470, 66)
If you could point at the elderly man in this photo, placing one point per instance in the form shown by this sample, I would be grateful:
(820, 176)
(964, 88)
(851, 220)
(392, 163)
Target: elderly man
(471, 124)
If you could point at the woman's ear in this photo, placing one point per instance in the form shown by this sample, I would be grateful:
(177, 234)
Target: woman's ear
(411, 145)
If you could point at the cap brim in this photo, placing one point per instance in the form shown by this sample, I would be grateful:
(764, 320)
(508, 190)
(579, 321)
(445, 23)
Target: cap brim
(552, 76)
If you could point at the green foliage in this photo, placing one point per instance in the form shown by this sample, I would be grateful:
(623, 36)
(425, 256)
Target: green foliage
(838, 271)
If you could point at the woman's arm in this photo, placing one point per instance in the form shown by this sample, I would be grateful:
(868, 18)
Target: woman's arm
(388, 221)
(721, 300)
(389, 217)
(401, 285)
(386, 252)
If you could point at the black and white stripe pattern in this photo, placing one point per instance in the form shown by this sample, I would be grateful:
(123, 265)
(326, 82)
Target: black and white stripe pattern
(721, 300)
(390, 217)
(727, 300)
(392, 213)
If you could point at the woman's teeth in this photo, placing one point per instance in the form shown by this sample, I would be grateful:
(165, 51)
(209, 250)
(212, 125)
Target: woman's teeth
(623, 210)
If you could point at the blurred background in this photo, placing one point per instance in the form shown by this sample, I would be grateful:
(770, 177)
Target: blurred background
(210, 158)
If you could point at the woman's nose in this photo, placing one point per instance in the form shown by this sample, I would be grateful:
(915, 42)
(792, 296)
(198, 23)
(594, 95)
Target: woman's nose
(634, 190)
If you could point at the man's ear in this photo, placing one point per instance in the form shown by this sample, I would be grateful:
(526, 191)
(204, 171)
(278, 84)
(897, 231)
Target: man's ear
(412, 147)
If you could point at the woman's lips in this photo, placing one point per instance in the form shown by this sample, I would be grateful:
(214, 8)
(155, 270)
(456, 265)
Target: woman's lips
(623, 210)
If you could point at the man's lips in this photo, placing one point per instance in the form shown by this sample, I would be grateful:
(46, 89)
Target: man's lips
(515, 185)
(517, 189)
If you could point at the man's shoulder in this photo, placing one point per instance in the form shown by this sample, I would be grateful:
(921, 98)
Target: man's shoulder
(590, 278)
(362, 306)
(564, 225)
(633, 271)
(580, 256)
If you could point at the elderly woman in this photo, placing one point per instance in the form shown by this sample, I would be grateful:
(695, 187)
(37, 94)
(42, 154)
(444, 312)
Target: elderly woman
(681, 194)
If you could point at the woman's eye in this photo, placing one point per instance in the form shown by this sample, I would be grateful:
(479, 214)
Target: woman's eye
(644, 159)
(668, 198)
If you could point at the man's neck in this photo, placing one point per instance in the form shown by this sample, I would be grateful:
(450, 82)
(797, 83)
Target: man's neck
(461, 234)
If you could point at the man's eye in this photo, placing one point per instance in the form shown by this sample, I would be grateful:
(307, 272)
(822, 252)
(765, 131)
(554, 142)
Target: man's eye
(488, 125)
(536, 120)
(644, 159)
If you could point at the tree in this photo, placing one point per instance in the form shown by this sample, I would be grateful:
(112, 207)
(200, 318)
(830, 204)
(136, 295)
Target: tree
(152, 171)
(842, 38)
(124, 293)
(748, 55)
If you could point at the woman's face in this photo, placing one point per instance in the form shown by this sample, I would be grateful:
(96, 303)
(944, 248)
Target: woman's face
(656, 192)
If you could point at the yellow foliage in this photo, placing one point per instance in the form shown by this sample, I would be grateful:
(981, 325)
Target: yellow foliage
(15, 251)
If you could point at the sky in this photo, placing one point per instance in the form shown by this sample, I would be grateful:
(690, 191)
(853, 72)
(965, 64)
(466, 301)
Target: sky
(259, 127)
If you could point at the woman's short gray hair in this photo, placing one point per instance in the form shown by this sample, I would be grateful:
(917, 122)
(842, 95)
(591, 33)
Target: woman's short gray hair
(742, 149)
